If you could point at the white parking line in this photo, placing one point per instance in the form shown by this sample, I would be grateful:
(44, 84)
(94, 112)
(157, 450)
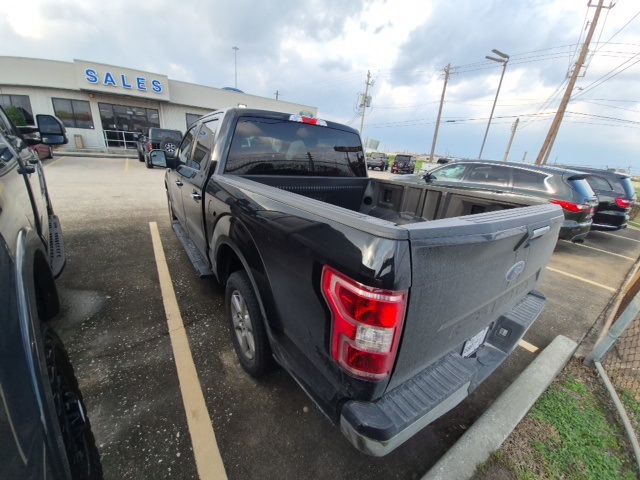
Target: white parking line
(528, 346)
(205, 448)
(581, 245)
(619, 236)
(590, 282)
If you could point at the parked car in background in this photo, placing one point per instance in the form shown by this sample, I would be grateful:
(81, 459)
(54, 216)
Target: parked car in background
(527, 185)
(43, 151)
(403, 164)
(616, 197)
(378, 160)
(158, 139)
(44, 429)
(443, 160)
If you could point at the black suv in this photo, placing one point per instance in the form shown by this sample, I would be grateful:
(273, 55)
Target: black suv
(158, 139)
(616, 197)
(527, 184)
(403, 164)
(44, 430)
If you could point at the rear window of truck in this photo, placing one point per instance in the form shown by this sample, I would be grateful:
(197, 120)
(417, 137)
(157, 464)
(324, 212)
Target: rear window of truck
(262, 146)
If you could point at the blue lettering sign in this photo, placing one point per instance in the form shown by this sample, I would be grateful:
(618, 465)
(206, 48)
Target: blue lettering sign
(108, 80)
(156, 86)
(142, 84)
(124, 82)
(91, 75)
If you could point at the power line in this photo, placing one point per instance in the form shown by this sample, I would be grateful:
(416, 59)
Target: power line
(593, 84)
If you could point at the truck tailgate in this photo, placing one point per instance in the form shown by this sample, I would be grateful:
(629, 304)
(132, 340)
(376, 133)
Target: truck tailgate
(466, 272)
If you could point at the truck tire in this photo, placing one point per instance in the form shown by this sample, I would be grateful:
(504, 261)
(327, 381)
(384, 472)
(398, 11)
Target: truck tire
(140, 156)
(247, 325)
(78, 439)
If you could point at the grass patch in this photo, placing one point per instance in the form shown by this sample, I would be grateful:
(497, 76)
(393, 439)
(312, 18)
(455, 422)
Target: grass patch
(572, 432)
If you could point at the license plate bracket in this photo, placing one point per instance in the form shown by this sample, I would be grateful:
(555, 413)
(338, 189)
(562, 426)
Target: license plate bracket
(472, 345)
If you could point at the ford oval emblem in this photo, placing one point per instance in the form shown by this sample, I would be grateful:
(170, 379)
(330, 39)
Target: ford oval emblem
(515, 271)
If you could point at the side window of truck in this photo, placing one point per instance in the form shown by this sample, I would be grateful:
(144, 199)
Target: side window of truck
(204, 144)
(184, 152)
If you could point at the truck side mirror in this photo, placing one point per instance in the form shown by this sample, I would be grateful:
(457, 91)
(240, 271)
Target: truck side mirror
(427, 177)
(158, 158)
(52, 131)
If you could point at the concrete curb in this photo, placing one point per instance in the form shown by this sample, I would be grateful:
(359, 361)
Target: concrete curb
(488, 433)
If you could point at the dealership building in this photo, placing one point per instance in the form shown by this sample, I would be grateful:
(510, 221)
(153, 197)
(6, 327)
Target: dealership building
(102, 106)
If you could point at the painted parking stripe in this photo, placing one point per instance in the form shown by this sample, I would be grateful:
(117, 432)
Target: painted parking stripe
(205, 447)
(54, 162)
(581, 245)
(126, 166)
(527, 346)
(619, 236)
(590, 282)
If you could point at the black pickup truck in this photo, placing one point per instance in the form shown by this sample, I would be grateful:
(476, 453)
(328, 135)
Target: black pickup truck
(384, 303)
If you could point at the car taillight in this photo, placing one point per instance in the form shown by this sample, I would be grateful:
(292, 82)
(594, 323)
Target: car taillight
(366, 325)
(624, 203)
(572, 207)
(150, 146)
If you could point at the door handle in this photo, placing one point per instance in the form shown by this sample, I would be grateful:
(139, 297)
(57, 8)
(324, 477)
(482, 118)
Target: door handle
(196, 196)
(179, 183)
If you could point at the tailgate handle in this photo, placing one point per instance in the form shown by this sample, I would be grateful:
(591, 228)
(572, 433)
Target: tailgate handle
(538, 232)
(530, 236)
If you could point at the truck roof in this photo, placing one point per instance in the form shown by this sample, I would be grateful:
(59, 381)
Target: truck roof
(254, 112)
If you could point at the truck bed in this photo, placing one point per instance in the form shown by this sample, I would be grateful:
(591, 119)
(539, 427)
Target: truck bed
(394, 202)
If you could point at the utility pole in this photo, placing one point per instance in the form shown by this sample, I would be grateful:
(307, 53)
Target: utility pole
(513, 134)
(447, 70)
(555, 125)
(368, 83)
(235, 57)
(524, 157)
(277, 94)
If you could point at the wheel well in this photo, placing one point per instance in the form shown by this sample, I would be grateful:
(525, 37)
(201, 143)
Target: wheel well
(46, 293)
(227, 262)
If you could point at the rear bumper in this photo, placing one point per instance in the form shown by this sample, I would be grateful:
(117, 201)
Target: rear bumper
(377, 428)
(609, 220)
(572, 230)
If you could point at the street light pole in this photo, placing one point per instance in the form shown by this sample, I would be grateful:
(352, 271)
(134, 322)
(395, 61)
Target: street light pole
(235, 54)
(504, 60)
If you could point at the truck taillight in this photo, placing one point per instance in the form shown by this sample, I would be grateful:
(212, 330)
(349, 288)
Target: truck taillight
(366, 325)
(572, 207)
(150, 146)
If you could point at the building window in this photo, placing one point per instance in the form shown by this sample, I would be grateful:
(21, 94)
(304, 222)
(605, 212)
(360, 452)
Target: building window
(191, 119)
(128, 119)
(18, 109)
(73, 113)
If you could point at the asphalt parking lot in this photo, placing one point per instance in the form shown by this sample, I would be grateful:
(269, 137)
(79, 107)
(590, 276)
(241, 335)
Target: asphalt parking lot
(115, 327)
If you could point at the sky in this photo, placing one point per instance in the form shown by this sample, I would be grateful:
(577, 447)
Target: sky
(318, 52)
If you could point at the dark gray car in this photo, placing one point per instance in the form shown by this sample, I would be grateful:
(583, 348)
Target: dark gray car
(529, 185)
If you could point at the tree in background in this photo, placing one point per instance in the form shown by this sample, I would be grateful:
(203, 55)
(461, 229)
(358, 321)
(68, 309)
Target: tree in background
(16, 116)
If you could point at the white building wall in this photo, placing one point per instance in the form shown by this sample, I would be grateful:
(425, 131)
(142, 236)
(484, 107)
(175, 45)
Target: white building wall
(175, 116)
(43, 80)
